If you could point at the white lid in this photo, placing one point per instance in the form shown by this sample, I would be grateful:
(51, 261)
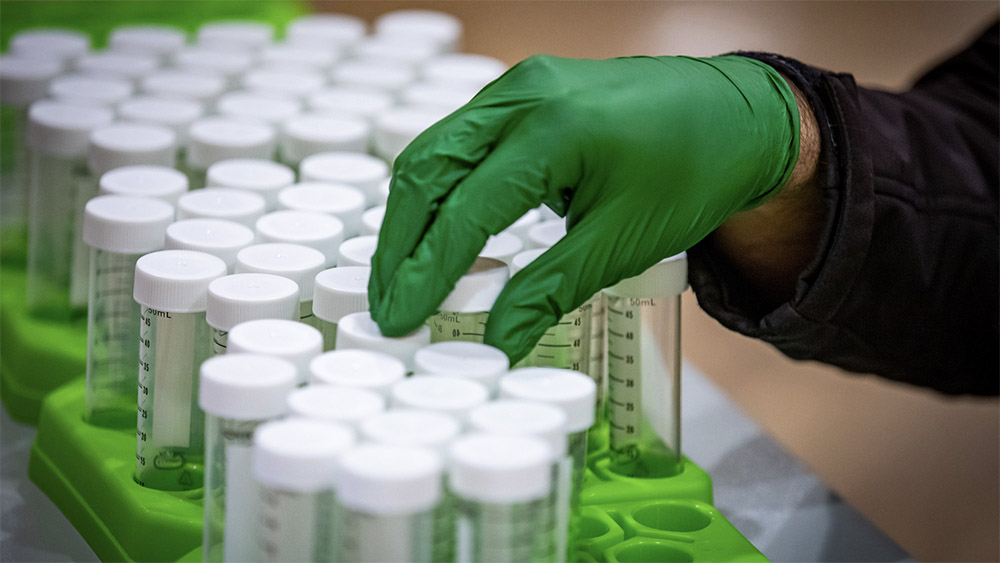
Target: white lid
(500, 469)
(242, 297)
(444, 29)
(412, 51)
(371, 220)
(293, 261)
(245, 386)
(310, 134)
(470, 360)
(130, 144)
(217, 237)
(126, 225)
(467, 69)
(478, 289)
(200, 87)
(666, 278)
(397, 127)
(308, 228)
(547, 233)
(357, 251)
(411, 427)
(158, 182)
(364, 102)
(129, 66)
(24, 81)
(522, 259)
(159, 40)
(299, 455)
(366, 369)
(297, 56)
(333, 30)
(296, 83)
(176, 113)
(79, 88)
(502, 246)
(221, 203)
(296, 342)
(376, 75)
(219, 138)
(340, 291)
(358, 330)
(360, 170)
(235, 34)
(520, 227)
(382, 192)
(569, 390)
(348, 405)
(392, 480)
(263, 106)
(61, 129)
(338, 200)
(264, 177)
(224, 63)
(522, 418)
(176, 281)
(49, 43)
(438, 96)
(439, 393)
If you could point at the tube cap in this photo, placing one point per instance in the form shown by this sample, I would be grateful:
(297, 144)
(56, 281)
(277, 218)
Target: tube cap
(221, 203)
(61, 129)
(358, 330)
(547, 233)
(357, 251)
(258, 106)
(390, 480)
(571, 391)
(62, 45)
(176, 281)
(396, 128)
(315, 230)
(478, 289)
(299, 455)
(263, 177)
(24, 81)
(360, 170)
(371, 220)
(382, 192)
(337, 200)
(217, 237)
(159, 182)
(440, 394)
(79, 88)
(525, 222)
(227, 65)
(177, 114)
(346, 405)
(500, 469)
(297, 57)
(666, 278)
(442, 97)
(522, 259)
(238, 298)
(294, 83)
(296, 342)
(201, 87)
(126, 225)
(235, 34)
(158, 40)
(364, 369)
(310, 134)
(470, 360)
(444, 29)
(218, 138)
(340, 291)
(522, 418)
(466, 69)
(331, 30)
(245, 386)
(293, 261)
(363, 102)
(502, 246)
(130, 144)
(411, 427)
(410, 51)
(376, 75)
(127, 66)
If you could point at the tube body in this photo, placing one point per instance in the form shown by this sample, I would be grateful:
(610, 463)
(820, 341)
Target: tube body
(296, 525)
(504, 532)
(14, 173)
(376, 538)
(598, 359)
(79, 282)
(565, 345)
(329, 332)
(462, 327)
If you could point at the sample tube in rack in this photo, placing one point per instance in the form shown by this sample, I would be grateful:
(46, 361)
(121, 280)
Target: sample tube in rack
(263, 177)
(240, 206)
(296, 342)
(362, 369)
(357, 251)
(294, 464)
(308, 228)
(293, 261)
(465, 311)
(337, 292)
(344, 202)
(313, 133)
(387, 497)
(439, 393)
(118, 230)
(238, 393)
(217, 237)
(644, 363)
(157, 182)
(411, 428)
(177, 114)
(360, 170)
(344, 405)
(358, 330)
(471, 360)
(238, 298)
(214, 139)
(171, 286)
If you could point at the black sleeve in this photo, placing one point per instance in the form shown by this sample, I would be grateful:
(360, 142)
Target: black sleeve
(904, 283)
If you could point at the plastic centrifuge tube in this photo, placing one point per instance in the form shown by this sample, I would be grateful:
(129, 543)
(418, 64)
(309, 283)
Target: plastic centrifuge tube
(503, 485)
(294, 464)
(161, 41)
(264, 177)
(57, 142)
(469, 360)
(158, 182)
(444, 29)
(238, 298)
(296, 342)
(308, 228)
(345, 405)
(240, 206)
(360, 170)
(217, 237)
(344, 202)
(411, 428)
(439, 393)
(358, 330)
(364, 103)
(337, 292)
(371, 220)
(644, 377)
(387, 496)
(177, 114)
(398, 126)
(313, 133)
(118, 230)
(171, 287)
(238, 393)
(214, 139)
(465, 311)
(362, 369)
(338, 31)
(293, 261)
(357, 251)
(466, 69)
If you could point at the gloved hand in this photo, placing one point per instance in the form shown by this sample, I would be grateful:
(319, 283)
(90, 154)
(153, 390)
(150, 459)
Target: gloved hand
(645, 156)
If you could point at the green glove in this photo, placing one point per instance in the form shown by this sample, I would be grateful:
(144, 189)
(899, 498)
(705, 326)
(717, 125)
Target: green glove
(645, 156)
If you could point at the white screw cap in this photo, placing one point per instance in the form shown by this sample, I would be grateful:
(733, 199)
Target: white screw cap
(363, 369)
(130, 144)
(158, 40)
(315, 230)
(363, 102)
(126, 66)
(297, 57)
(382, 192)
(61, 45)
(500, 469)
(264, 177)
(397, 127)
(411, 427)
(470, 360)
(159, 182)
(478, 289)
(221, 203)
(340, 291)
(226, 65)
(177, 114)
(176, 281)
(444, 29)
(371, 220)
(258, 106)
(502, 246)
(213, 139)
(329, 30)
(126, 225)
(82, 89)
(238, 298)
(391, 480)
(245, 386)
(347, 405)
(296, 342)
(522, 418)
(297, 84)
(522, 259)
(235, 34)
(439, 393)
(410, 51)
(299, 455)
(360, 170)
(63, 130)
(217, 237)
(666, 278)
(314, 133)
(375, 75)
(441, 97)
(24, 81)
(357, 251)
(293, 261)
(358, 330)
(466, 69)
(571, 391)
(197, 86)
(547, 233)
(344, 202)
(520, 227)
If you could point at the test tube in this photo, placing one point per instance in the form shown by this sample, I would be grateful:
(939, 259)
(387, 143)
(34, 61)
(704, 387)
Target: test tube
(201, 87)
(387, 496)
(362, 369)
(398, 126)
(270, 107)
(294, 465)
(214, 139)
(362, 171)
(160, 41)
(337, 292)
(365, 103)
(644, 370)
(177, 114)
(88, 90)
(466, 69)
(236, 35)
(439, 393)
(465, 311)
(57, 144)
(371, 220)
(503, 485)
(444, 29)
(124, 66)
(357, 252)
(503, 247)
(307, 228)
(238, 393)
(171, 286)
(344, 202)
(326, 30)
(293, 261)
(344, 405)
(313, 133)
(218, 237)
(118, 230)
(239, 206)
(238, 298)
(472, 360)
(157, 182)
(263, 177)
(358, 330)
(373, 75)
(53, 44)
(294, 83)
(296, 342)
